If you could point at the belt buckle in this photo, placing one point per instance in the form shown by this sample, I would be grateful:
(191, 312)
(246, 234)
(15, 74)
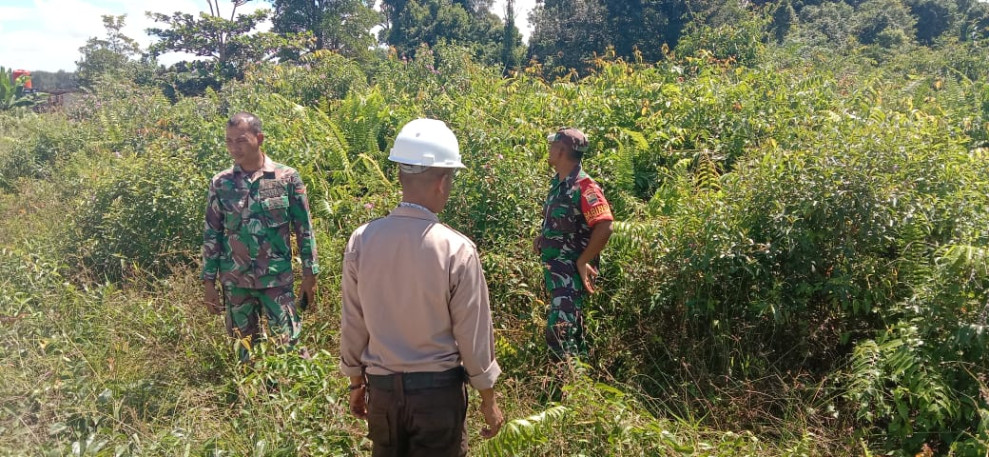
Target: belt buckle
(416, 381)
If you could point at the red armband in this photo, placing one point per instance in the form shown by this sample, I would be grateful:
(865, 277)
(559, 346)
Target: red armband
(593, 204)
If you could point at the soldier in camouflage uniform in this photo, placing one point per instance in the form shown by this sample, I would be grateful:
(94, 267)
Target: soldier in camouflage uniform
(576, 227)
(251, 211)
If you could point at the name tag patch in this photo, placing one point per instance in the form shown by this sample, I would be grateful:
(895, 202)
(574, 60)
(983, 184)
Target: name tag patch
(271, 189)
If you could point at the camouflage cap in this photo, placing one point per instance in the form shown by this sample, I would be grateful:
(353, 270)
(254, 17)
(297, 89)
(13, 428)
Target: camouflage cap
(570, 137)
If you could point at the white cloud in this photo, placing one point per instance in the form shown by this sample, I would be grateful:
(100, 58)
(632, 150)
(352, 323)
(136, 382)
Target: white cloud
(47, 34)
(74, 19)
(12, 14)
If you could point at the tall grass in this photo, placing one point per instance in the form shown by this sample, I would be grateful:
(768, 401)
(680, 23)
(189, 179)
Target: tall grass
(798, 267)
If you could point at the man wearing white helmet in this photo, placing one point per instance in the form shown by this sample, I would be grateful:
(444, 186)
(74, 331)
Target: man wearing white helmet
(410, 346)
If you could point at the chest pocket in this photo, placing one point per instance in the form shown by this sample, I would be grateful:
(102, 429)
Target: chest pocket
(275, 210)
(274, 202)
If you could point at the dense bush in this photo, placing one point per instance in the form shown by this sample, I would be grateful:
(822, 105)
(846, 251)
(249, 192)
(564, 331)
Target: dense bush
(145, 214)
(740, 42)
(322, 77)
(33, 146)
(801, 249)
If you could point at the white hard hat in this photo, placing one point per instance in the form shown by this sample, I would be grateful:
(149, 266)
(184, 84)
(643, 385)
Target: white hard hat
(426, 143)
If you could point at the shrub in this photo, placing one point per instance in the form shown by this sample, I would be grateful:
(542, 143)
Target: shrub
(37, 145)
(145, 213)
(741, 42)
(323, 76)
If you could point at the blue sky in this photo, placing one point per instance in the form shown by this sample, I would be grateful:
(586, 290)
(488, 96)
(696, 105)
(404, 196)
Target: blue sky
(47, 34)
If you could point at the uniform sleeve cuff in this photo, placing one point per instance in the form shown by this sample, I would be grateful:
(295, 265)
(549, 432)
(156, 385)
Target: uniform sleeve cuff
(312, 270)
(349, 370)
(486, 379)
(208, 276)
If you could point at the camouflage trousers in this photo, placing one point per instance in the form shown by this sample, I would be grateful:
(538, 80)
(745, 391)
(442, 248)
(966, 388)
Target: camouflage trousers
(243, 316)
(565, 321)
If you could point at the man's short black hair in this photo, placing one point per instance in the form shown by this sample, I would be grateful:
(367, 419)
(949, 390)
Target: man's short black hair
(243, 117)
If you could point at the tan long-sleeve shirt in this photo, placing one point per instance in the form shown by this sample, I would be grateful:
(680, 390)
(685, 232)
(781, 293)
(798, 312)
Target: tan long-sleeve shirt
(415, 299)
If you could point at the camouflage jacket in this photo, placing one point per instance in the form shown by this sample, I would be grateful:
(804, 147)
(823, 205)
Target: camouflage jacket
(574, 205)
(249, 217)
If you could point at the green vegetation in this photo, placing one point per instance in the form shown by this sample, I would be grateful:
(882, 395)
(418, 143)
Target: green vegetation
(800, 265)
(13, 93)
(108, 57)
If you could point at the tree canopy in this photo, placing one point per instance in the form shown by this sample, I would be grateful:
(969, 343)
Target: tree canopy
(566, 35)
(341, 26)
(106, 56)
(228, 45)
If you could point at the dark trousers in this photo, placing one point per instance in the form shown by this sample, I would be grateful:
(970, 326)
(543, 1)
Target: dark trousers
(407, 421)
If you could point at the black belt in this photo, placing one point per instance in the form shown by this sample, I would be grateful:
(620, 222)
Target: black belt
(418, 380)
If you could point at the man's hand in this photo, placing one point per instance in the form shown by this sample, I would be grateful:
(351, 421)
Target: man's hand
(587, 275)
(599, 238)
(307, 292)
(358, 403)
(212, 298)
(492, 414)
(492, 418)
(536, 244)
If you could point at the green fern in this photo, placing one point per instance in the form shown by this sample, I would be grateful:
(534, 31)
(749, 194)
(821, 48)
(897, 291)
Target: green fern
(676, 184)
(623, 160)
(637, 138)
(914, 261)
(110, 123)
(333, 138)
(706, 174)
(364, 119)
(373, 174)
(894, 382)
(964, 260)
(518, 435)
(633, 237)
(311, 137)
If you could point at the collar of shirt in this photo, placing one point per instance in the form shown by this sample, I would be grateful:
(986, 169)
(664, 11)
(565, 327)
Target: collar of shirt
(572, 177)
(268, 165)
(415, 210)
